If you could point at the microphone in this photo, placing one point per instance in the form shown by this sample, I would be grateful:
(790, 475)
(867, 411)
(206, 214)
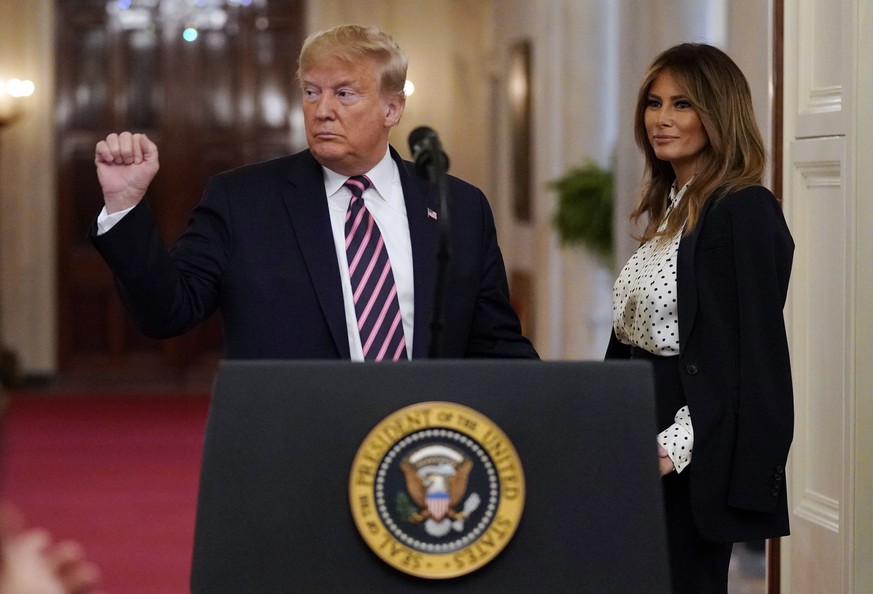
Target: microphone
(432, 162)
(427, 152)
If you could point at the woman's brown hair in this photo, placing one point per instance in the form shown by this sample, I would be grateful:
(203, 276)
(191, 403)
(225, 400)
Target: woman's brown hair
(734, 157)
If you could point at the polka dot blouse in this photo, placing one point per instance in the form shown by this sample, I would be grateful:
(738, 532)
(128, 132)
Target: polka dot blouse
(645, 315)
(644, 307)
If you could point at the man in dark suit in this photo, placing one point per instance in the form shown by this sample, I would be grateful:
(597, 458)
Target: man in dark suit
(271, 244)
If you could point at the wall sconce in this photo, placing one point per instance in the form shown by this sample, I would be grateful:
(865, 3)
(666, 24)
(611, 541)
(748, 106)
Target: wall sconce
(13, 93)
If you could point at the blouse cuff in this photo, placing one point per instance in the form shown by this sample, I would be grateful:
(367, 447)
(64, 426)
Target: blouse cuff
(678, 439)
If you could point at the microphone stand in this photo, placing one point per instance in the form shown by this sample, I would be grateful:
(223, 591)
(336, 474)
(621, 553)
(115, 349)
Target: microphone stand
(436, 172)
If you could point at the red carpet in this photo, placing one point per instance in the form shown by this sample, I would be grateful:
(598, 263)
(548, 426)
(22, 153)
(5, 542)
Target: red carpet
(117, 474)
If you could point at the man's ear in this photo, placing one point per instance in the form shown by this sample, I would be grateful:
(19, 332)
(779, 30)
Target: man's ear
(394, 106)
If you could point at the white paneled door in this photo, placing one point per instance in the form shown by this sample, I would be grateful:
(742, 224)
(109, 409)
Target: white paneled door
(826, 163)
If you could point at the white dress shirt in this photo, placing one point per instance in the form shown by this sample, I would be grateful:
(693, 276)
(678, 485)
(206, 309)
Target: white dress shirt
(384, 200)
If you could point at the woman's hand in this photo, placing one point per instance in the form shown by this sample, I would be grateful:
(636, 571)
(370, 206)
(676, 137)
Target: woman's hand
(665, 464)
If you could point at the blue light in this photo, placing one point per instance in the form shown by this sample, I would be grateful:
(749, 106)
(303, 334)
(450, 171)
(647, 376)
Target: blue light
(124, 4)
(189, 34)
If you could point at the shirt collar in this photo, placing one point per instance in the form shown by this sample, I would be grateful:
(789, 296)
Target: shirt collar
(675, 196)
(382, 176)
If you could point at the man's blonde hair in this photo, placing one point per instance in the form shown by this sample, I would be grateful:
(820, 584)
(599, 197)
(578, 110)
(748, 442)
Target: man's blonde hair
(350, 43)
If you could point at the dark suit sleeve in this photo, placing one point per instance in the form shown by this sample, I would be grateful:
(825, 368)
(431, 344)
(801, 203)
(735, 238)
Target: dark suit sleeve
(763, 250)
(168, 292)
(495, 330)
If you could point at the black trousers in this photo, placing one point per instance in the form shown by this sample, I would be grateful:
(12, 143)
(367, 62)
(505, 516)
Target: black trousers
(697, 566)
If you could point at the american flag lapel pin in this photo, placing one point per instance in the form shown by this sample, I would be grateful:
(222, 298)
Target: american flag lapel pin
(431, 214)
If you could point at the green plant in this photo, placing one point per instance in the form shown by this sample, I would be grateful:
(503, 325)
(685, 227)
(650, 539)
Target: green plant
(584, 213)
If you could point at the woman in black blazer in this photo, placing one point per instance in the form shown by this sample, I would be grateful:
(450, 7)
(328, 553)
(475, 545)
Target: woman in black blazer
(702, 300)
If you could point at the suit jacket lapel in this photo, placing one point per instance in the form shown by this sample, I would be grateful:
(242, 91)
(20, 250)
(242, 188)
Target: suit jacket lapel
(306, 203)
(419, 196)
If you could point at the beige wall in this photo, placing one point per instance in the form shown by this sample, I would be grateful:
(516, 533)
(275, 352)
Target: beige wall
(27, 190)
(573, 120)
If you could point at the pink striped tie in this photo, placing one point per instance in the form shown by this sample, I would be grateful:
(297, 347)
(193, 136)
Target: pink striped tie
(375, 294)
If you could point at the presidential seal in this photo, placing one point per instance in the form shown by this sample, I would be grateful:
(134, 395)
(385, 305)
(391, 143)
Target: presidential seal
(436, 490)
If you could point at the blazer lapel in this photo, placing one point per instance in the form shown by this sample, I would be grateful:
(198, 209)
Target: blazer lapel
(420, 197)
(306, 203)
(686, 281)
